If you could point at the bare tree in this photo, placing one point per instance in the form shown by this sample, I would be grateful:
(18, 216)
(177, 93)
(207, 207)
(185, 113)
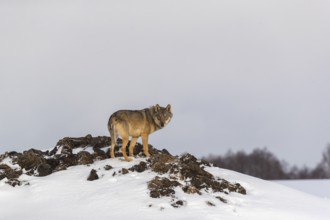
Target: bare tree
(263, 164)
(260, 163)
(323, 169)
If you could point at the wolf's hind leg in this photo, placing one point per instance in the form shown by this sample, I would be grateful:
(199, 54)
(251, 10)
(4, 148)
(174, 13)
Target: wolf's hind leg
(131, 146)
(114, 138)
(123, 148)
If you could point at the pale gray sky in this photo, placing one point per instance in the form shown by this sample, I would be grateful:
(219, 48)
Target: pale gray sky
(239, 74)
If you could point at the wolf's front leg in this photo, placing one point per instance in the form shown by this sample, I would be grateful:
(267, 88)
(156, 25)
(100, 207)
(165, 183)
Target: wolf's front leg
(145, 144)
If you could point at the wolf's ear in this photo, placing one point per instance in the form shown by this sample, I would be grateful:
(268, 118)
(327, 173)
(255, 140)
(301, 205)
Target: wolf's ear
(169, 108)
(157, 108)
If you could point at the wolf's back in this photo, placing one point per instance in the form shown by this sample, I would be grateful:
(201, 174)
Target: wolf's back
(130, 117)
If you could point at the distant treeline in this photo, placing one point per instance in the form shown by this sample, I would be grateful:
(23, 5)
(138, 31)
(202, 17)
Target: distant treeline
(264, 164)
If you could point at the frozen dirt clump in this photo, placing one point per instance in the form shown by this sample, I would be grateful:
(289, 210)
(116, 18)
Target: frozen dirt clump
(161, 162)
(30, 160)
(9, 173)
(92, 175)
(188, 173)
(162, 186)
(84, 158)
(141, 167)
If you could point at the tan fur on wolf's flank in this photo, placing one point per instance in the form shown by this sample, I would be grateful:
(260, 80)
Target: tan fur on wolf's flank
(135, 124)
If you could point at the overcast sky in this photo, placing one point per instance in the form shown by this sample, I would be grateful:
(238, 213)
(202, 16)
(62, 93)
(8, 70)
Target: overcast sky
(239, 74)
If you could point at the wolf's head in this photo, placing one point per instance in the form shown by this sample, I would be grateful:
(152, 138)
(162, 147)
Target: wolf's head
(162, 116)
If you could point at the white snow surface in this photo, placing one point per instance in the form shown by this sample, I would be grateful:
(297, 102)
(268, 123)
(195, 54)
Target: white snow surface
(315, 187)
(68, 195)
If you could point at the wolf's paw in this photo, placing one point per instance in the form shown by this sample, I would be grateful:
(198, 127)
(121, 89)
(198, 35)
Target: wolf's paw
(128, 159)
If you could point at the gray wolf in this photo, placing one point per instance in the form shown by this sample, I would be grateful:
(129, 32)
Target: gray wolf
(135, 124)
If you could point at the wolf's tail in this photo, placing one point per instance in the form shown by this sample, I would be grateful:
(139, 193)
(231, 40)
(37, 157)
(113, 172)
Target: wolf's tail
(112, 129)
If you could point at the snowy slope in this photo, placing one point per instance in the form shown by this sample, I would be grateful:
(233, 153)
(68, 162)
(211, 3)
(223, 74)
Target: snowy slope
(315, 187)
(68, 195)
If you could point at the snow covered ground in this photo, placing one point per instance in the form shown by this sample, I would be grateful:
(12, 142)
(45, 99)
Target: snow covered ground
(319, 188)
(68, 195)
